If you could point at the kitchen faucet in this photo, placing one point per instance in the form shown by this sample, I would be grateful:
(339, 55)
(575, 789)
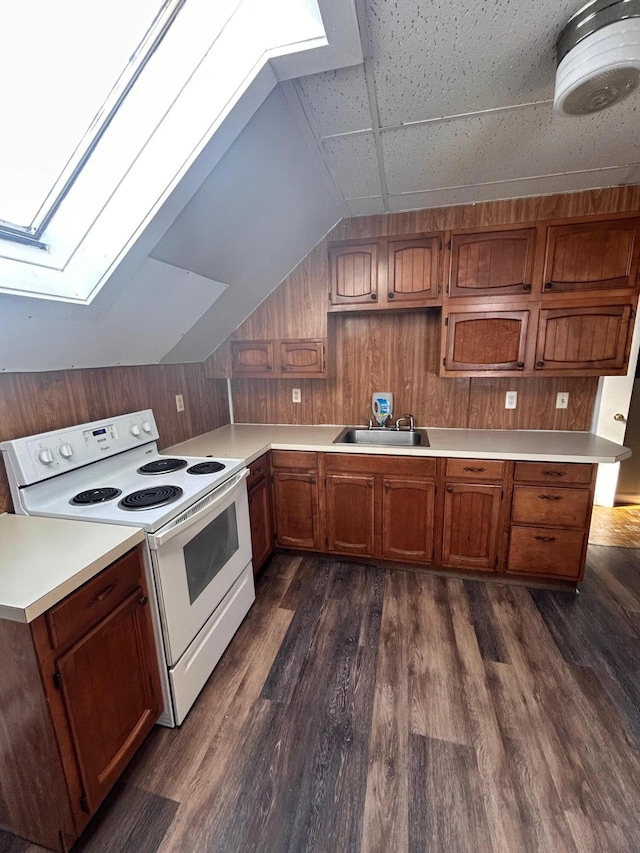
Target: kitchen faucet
(405, 419)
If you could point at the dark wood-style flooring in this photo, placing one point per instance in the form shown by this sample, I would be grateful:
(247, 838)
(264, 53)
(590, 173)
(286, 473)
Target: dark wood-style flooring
(360, 709)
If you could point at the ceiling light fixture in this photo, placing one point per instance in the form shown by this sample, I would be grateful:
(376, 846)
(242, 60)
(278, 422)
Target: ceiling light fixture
(598, 57)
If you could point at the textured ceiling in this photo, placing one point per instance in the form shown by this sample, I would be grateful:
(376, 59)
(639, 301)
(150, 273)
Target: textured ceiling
(453, 104)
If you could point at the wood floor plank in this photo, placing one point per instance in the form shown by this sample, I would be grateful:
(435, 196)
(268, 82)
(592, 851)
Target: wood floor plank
(435, 676)
(490, 641)
(596, 836)
(285, 672)
(543, 823)
(446, 809)
(501, 807)
(386, 810)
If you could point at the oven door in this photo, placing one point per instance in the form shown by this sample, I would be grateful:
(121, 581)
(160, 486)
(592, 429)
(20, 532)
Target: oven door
(197, 557)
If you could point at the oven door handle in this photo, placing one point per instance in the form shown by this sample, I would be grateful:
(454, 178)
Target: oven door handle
(190, 516)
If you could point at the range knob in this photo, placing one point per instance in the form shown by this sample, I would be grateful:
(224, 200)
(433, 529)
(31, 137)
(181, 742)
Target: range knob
(45, 456)
(134, 429)
(65, 450)
(146, 426)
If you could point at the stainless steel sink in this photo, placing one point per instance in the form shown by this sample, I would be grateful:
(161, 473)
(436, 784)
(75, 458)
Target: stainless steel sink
(383, 437)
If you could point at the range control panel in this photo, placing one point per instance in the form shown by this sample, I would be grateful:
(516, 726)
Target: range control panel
(38, 457)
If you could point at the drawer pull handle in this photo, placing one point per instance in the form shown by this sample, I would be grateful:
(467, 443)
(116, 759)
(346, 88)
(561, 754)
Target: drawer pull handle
(545, 538)
(550, 497)
(387, 486)
(102, 595)
(554, 473)
(142, 600)
(474, 470)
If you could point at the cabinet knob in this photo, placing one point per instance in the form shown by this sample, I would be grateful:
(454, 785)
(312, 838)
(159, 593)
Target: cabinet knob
(387, 487)
(548, 285)
(142, 600)
(526, 287)
(520, 365)
(391, 295)
(374, 296)
(449, 489)
(539, 363)
(618, 416)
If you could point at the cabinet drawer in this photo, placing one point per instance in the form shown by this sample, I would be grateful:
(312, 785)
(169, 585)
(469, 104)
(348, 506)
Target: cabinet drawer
(79, 612)
(553, 473)
(545, 551)
(373, 464)
(300, 460)
(258, 470)
(545, 506)
(475, 469)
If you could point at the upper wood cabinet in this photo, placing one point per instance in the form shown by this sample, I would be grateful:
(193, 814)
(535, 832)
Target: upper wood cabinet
(492, 263)
(354, 273)
(252, 358)
(390, 272)
(281, 359)
(475, 342)
(583, 341)
(592, 256)
(413, 271)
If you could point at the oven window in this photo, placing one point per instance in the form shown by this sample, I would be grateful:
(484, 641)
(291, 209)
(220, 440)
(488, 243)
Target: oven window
(210, 550)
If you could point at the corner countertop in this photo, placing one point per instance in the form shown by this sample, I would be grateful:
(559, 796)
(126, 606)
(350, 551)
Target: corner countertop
(249, 441)
(44, 559)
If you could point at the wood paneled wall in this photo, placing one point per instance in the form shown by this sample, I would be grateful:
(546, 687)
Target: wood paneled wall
(398, 352)
(37, 402)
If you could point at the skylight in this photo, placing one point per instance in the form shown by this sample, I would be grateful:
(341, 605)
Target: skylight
(61, 61)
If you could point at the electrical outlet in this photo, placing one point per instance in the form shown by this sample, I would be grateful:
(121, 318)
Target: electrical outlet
(562, 400)
(179, 403)
(296, 396)
(511, 399)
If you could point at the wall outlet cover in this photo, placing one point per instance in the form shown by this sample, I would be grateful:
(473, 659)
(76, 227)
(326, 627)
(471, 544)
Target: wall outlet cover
(296, 395)
(179, 403)
(511, 399)
(562, 400)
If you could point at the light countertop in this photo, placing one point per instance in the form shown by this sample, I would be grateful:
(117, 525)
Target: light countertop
(44, 559)
(249, 441)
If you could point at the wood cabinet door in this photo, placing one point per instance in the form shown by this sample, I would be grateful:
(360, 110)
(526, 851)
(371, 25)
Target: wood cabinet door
(471, 525)
(486, 341)
(350, 514)
(296, 509)
(303, 357)
(354, 274)
(492, 263)
(413, 271)
(585, 340)
(591, 256)
(252, 358)
(408, 520)
(111, 692)
(261, 524)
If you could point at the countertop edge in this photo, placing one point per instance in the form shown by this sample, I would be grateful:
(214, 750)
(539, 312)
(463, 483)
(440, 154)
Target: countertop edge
(31, 611)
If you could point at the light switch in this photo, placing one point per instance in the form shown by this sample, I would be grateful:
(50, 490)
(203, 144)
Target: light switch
(562, 400)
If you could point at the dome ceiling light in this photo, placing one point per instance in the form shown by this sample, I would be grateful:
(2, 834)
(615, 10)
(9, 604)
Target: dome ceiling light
(598, 57)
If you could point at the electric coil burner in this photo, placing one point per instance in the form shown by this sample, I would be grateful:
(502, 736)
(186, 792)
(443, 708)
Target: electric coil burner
(163, 466)
(149, 498)
(95, 496)
(206, 468)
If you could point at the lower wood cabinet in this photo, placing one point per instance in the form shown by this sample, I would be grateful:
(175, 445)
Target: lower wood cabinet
(549, 528)
(486, 515)
(408, 520)
(350, 514)
(471, 525)
(260, 512)
(295, 493)
(79, 693)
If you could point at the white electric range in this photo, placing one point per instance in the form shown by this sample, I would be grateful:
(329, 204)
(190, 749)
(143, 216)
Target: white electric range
(196, 515)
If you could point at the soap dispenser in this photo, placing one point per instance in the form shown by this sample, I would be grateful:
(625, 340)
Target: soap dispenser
(382, 405)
